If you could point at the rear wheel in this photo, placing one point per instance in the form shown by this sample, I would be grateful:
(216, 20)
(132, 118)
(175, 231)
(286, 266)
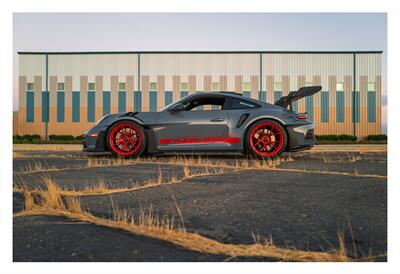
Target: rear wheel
(266, 139)
(126, 139)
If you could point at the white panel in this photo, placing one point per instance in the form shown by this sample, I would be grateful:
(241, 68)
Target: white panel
(93, 65)
(368, 65)
(308, 65)
(31, 66)
(199, 65)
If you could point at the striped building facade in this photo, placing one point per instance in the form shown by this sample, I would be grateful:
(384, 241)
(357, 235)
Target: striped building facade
(65, 93)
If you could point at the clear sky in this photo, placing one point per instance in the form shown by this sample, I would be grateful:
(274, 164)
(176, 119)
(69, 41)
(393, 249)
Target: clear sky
(200, 31)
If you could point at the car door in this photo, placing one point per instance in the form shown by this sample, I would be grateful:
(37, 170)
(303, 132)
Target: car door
(192, 130)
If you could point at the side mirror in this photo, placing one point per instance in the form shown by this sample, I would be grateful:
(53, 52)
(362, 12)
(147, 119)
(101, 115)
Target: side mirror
(177, 107)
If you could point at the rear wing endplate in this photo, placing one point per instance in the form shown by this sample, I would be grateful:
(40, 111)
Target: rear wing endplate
(293, 96)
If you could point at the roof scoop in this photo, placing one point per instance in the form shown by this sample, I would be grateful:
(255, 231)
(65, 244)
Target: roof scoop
(293, 96)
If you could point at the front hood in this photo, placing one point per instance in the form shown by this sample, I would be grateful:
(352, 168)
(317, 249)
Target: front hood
(293, 96)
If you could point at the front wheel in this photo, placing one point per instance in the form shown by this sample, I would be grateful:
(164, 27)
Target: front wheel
(266, 139)
(126, 139)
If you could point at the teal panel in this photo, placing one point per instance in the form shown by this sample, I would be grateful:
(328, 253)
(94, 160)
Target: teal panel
(184, 93)
(356, 104)
(277, 95)
(106, 102)
(168, 98)
(91, 107)
(340, 106)
(247, 94)
(262, 96)
(137, 101)
(60, 106)
(76, 106)
(153, 101)
(45, 106)
(324, 106)
(371, 102)
(121, 101)
(310, 107)
(30, 107)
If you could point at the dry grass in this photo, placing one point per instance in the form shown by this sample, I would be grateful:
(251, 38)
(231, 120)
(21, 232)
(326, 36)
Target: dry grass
(101, 188)
(150, 225)
(109, 161)
(349, 158)
(356, 173)
(256, 164)
(240, 163)
(91, 163)
(36, 167)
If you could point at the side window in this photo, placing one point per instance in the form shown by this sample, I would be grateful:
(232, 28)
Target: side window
(243, 104)
(205, 104)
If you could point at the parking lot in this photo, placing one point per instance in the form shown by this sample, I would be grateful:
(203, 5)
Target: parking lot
(324, 200)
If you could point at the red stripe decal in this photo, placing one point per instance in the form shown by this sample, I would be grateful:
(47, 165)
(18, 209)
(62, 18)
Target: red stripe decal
(205, 140)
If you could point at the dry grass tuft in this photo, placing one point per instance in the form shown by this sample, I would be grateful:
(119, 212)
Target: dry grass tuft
(29, 203)
(150, 225)
(109, 161)
(98, 187)
(186, 171)
(35, 167)
(52, 197)
(349, 158)
(73, 204)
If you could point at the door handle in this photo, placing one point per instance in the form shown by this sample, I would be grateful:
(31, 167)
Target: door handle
(217, 120)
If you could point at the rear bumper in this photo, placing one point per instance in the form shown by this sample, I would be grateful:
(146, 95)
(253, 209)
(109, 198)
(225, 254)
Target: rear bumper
(92, 143)
(301, 137)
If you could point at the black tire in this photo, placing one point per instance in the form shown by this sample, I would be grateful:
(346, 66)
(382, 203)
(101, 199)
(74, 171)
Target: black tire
(276, 139)
(126, 139)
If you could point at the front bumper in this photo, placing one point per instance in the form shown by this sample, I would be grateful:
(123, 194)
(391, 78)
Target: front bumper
(301, 137)
(94, 143)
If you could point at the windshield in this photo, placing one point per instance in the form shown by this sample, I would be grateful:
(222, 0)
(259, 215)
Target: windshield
(167, 106)
(173, 103)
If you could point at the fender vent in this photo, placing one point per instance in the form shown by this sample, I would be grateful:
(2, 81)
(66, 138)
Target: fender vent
(242, 119)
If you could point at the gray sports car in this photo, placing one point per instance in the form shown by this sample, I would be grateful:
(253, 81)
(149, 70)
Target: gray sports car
(207, 121)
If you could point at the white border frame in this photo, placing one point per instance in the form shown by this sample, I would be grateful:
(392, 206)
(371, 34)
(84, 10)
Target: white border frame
(6, 56)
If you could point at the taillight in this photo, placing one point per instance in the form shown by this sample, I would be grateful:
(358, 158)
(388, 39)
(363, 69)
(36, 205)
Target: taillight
(301, 117)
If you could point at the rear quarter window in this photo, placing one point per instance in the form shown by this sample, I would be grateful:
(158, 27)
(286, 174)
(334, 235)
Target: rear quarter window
(243, 104)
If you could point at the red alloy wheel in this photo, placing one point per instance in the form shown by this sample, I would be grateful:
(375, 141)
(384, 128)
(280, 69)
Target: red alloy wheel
(125, 139)
(266, 139)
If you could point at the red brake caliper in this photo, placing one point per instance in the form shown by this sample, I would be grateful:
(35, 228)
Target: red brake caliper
(266, 139)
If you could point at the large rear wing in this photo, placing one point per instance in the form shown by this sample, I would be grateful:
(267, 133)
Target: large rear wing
(293, 96)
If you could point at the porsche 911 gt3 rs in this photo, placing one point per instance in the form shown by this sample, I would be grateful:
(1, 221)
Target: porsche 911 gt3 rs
(207, 122)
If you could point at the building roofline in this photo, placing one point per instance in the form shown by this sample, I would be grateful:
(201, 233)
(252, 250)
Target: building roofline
(194, 52)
